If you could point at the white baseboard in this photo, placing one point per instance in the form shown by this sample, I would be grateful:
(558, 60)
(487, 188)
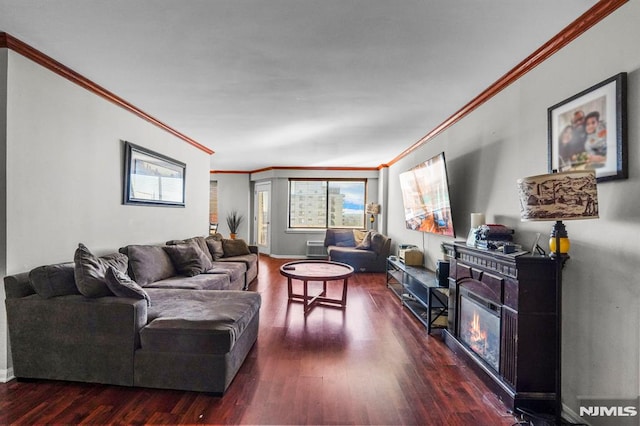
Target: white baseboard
(6, 375)
(288, 256)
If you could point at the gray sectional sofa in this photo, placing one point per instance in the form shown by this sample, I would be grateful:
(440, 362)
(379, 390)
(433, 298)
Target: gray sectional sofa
(365, 251)
(161, 316)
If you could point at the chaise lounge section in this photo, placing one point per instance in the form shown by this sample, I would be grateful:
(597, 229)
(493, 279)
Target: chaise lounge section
(196, 340)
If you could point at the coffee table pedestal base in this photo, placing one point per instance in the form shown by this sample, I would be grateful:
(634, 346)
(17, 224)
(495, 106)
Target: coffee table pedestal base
(320, 271)
(319, 299)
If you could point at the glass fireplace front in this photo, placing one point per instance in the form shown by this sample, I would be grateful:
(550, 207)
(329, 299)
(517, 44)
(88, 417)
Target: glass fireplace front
(480, 329)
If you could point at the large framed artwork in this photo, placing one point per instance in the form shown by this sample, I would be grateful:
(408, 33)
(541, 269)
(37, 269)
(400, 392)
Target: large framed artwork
(151, 178)
(588, 131)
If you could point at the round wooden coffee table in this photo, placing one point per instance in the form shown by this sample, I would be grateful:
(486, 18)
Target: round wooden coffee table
(316, 270)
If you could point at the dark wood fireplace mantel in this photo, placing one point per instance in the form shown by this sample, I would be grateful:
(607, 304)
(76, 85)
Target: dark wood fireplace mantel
(522, 289)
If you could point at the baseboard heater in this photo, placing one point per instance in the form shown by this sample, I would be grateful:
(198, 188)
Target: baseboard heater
(316, 250)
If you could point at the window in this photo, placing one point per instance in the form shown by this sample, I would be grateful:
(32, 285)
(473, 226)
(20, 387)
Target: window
(326, 203)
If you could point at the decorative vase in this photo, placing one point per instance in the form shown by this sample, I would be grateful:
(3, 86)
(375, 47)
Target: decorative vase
(232, 236)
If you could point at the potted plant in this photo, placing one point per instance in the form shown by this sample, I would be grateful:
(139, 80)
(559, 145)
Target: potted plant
(234, 219)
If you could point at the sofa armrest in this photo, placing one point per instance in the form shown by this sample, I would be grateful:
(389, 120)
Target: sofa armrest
(380, 244)
(75, 338)
(385, 250)
(255, 250)
(18, 285)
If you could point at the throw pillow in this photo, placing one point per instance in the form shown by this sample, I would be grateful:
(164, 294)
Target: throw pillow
(201, 243)
(217, 236)
(188, 259)
(233, 248)
(198, 241)
(122, 285)
(215, 248)
(365, 244)
(359, 235)
(90, 271)
(54, 280)
(149, 263)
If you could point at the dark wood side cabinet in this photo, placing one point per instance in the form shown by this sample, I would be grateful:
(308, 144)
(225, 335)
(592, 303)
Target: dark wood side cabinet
(519, 290)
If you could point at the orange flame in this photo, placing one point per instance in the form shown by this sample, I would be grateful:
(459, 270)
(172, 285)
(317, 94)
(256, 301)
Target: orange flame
(477, 335)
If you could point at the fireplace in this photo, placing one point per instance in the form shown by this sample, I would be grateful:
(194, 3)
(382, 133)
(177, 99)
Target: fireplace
(501, 322)
(480, 327)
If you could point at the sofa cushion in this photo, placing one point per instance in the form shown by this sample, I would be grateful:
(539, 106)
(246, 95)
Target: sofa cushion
(347, 254)
(197, 282)
(235, 270)
(251, 260)
(188, 258)
(233, 248)
(215, 248)
(198, 322)
(122, 285)
(54, 280)
(344, 238)
(148, 263)
(90, 271)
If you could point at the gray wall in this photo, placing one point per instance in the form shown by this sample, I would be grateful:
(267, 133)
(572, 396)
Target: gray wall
(234, 193)
(64, 164)
(506, 139)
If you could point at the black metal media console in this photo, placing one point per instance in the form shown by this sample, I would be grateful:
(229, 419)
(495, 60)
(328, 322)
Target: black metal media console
(420, 292)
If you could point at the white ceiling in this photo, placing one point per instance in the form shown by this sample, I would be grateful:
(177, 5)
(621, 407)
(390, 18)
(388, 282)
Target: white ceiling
(312, 83)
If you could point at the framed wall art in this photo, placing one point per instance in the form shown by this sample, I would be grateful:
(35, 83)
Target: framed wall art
(151, 178)
(588, 131)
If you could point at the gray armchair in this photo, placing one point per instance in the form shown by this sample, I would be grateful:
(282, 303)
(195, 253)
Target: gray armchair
(368, 254)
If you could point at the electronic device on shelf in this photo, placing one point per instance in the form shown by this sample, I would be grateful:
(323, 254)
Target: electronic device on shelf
(442, 273)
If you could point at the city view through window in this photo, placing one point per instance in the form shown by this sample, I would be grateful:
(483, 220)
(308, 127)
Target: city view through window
(326, 204)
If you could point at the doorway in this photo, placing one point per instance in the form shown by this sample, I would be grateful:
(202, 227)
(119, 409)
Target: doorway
(262, 219)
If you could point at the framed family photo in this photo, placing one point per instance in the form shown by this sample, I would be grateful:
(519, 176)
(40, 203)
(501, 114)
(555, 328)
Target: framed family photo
(588, 131)
(151, 178)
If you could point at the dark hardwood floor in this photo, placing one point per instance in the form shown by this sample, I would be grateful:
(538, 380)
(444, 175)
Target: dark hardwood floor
(372, 363)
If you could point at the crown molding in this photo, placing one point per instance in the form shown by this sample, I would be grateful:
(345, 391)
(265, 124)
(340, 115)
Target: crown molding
(266, 169)
(597, 13)
(18, 46)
